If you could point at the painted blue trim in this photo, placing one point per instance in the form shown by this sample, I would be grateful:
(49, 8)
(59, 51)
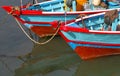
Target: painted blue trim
(28, 25)
(45, 18)
(74, 45)
(90, 37)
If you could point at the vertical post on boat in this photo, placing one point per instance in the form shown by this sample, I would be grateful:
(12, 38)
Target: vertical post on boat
(74, 5)
(33, 1)
(90, 1)
(91, 5)
(65, 5)
(65, 17)
(36, 1)
(21, 3)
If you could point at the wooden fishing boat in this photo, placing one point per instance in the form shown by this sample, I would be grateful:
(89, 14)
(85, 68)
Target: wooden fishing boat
(94, 35)
(38, 16)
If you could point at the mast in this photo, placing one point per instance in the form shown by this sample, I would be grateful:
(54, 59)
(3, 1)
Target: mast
(21, 3)
(35, 1)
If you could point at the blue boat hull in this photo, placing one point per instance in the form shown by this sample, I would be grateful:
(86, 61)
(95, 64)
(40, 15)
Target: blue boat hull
(90, 41)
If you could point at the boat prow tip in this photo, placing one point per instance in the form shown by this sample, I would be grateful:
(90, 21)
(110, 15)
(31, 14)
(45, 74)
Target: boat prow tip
(7, 8)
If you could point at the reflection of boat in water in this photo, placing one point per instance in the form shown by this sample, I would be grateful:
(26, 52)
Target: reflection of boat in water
(105, 66)
(94, 35)
(48, 58)
(43, 61)
(38, 16)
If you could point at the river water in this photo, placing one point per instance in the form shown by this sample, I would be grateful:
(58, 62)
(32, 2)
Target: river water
(20, 57)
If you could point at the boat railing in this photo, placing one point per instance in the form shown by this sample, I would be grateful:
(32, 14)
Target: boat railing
(97, 23)
(49, 6)
(56, 5)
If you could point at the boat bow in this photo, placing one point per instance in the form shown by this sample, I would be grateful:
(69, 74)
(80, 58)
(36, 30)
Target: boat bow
(12, 10)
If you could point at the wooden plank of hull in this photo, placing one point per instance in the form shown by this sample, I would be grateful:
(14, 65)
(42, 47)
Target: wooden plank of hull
(43, 31)
(90, 52)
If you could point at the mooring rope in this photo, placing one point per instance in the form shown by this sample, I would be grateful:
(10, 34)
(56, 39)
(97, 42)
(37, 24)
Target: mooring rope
(42, 43)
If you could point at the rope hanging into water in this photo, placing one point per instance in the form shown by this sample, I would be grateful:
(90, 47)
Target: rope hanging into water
(36, 42)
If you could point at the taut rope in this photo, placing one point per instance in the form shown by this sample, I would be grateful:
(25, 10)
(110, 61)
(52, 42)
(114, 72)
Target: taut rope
(42, 43)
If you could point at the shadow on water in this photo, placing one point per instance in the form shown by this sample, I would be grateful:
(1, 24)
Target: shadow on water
(57, 55)
(43, 59)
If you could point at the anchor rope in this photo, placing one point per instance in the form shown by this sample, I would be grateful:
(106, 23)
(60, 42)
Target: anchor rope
(40, 43)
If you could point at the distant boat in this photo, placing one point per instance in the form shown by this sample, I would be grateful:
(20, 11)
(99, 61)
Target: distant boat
(94, 35)
(38, 16)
